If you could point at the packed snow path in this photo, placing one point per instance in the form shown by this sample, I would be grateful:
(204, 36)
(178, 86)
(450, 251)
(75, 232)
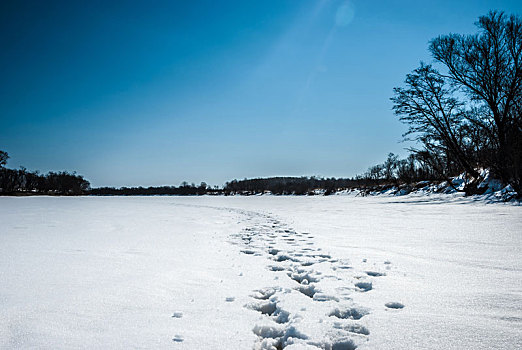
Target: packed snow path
(425, 272)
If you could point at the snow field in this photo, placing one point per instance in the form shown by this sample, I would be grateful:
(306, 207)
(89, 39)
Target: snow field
(260, 272)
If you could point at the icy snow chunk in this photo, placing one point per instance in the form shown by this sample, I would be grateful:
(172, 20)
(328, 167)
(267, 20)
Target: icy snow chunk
(506, 194)
(264, 307)
(269, 330)
(304, 276)
(265, 293)
(308, 290)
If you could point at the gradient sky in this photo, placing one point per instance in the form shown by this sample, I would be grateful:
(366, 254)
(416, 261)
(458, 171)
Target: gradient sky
(153, 93)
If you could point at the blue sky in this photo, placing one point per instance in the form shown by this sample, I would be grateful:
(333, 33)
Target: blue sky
(154, 93)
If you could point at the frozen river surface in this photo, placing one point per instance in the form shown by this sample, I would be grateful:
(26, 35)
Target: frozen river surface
(264, 272)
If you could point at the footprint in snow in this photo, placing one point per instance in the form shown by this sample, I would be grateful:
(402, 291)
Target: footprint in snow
(375, 273)
(177, 314)
(230, 299)
(177, 338)
(324, 297)
(350, 313)
(394, 305)
(363, 286)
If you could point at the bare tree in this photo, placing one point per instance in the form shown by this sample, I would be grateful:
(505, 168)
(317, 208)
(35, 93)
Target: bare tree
(434, 116)
(487, 66)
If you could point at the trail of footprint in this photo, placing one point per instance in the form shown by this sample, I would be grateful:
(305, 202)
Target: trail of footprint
(294, 252)
(267, 236)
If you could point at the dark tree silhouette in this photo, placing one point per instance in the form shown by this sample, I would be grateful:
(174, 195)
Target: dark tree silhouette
(487, 66)
(434, 116)
(3, 158)
(22, 181)
(469, 116)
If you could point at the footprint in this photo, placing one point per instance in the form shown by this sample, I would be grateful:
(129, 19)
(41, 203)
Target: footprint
(324, 256)
(351, 313)
(230, 299)
(363, 286)
(343, 344)
(394, 305)
(375, 273)
(248, 251)
(324, 297)
(276, 268)
(177, 314)
(178, 338)
(273, 251)
(344, 266)
(352, 328)
(284, 257)
(281, 316)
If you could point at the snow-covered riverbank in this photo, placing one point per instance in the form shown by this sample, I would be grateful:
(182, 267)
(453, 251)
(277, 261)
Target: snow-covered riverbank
(383, 272)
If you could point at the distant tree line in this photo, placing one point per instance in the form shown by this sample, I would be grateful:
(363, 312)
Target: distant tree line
(401, 171)
(19, 181)
(467, 116)
(289, 185)
(183, 190)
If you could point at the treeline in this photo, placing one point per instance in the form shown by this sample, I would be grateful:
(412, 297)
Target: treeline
(467, 116)
(184, 190)
(19, 181)
(402, 171)
(291, 185)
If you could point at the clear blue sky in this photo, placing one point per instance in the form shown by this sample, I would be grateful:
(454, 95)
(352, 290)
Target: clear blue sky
(153, 93)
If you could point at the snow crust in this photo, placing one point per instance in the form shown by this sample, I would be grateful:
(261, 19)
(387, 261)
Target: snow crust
(260, 272)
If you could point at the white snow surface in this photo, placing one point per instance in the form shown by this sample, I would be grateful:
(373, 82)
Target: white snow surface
(260, 272)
